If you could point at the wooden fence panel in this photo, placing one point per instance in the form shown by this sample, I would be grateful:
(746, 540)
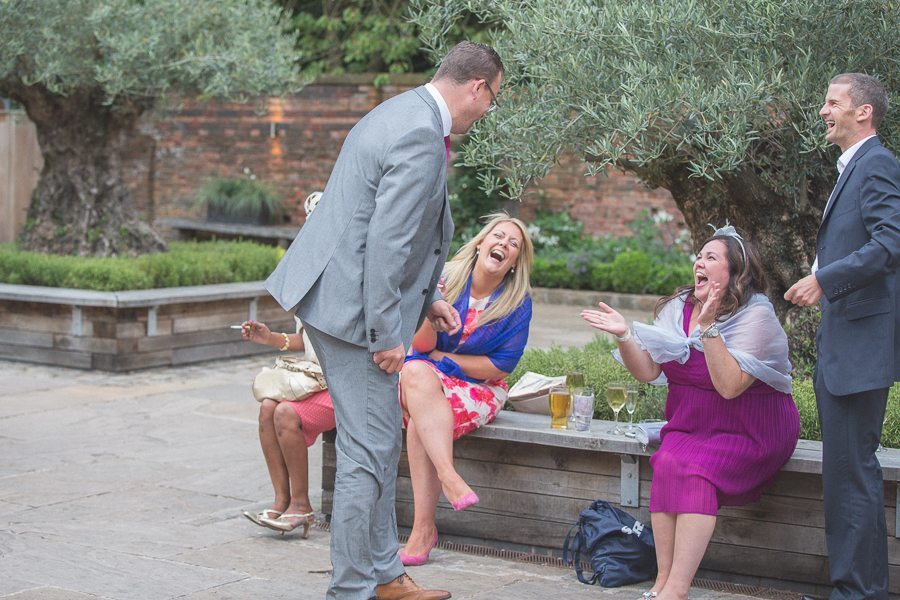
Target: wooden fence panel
(20, 167)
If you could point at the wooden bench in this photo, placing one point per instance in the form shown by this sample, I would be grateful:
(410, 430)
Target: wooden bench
(193, 229)
(533, 482)
(136, 329)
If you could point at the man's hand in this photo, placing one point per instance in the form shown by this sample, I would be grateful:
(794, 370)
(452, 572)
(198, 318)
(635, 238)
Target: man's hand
(390, 361)
(444, 317)
(805, 292)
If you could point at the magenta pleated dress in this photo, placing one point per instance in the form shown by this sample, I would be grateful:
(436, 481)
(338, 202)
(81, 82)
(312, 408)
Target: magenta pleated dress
(717, 452)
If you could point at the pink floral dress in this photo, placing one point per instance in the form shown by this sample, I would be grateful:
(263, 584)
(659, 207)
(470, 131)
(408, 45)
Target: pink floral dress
(473, 404)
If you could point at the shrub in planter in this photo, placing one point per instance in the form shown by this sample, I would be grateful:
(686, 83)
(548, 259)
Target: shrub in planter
(243, 200)
(552, 273)
(667, 277)
(185, 263)
(632, 272)
(600, 276)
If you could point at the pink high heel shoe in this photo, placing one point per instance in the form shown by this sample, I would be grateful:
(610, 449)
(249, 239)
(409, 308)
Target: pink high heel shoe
(470, 499)
(410, 560)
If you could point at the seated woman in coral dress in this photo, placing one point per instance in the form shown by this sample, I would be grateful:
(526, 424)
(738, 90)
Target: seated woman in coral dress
(286, 430)
(732, 423)
(451, 385)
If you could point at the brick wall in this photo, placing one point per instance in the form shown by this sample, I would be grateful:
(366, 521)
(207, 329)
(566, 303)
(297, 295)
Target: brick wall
(292, 144)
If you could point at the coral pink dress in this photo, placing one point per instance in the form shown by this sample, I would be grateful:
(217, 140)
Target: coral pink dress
(718, 452)
(473, 404)
(316, 415)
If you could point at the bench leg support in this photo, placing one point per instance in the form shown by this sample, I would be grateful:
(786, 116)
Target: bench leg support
(630, 481)
(151, 321)
(77, 321)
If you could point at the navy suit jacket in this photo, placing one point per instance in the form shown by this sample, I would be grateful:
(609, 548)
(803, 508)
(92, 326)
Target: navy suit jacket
(858, 247)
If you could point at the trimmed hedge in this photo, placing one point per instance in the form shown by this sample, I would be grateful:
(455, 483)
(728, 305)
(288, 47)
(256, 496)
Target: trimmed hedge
(641, 263)
(186, 263)
(599, 367)
(631, 272)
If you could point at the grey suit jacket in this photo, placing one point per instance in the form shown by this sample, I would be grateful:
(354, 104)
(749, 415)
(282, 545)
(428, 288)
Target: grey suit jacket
(858, 246)
(365, 266)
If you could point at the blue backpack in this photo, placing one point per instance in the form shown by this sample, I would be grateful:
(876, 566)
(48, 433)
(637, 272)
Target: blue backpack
(620, 548)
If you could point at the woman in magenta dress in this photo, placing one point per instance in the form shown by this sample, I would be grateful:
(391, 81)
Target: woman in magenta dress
(732, 423)
(451, 385)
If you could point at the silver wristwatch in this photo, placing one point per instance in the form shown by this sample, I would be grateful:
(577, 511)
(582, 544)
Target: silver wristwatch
(710, 332)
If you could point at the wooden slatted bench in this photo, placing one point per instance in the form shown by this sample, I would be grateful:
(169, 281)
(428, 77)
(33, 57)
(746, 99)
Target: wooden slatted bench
(193, 229)
(122, 331)
(533, 482)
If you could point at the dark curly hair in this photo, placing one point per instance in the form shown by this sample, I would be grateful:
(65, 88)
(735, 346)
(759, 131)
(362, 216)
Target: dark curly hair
(744, 278)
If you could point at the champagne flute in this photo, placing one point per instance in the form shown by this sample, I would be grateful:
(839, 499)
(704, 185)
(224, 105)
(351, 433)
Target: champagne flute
(575, 381)
(631, 402)
(615, 397)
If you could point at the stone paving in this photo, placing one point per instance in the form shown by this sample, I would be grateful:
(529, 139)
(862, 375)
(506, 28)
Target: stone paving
(131, 486)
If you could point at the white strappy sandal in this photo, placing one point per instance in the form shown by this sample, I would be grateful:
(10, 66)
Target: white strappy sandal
(269, 513)
(284, 524)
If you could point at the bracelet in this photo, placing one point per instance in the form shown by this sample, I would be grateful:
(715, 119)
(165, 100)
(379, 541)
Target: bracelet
(624, 338)
(287, 342)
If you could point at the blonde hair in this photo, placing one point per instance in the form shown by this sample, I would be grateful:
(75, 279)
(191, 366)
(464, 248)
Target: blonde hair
(517, 281)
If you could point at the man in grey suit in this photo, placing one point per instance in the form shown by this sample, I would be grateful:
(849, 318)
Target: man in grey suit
(362, 275)
(855, 280)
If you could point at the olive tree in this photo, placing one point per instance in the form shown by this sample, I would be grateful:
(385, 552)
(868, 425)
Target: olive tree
(86, 70)
(715, 101)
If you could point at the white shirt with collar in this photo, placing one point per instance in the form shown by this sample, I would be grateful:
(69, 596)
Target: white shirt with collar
(842, 162)
(446, 120)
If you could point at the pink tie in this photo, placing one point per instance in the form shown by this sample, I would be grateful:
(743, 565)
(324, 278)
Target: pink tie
(447, 146)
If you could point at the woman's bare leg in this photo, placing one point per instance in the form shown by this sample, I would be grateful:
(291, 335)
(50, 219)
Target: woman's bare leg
(424, 401)
(426, 491)
(268, 441)
(664, 538)
(692, 535)
(292, 443)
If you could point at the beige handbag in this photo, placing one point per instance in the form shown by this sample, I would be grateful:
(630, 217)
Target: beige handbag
(291, 379)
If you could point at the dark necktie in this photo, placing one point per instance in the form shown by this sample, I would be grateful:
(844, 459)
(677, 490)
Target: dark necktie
(447, 147)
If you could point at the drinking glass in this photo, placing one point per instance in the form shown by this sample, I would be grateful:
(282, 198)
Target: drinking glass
(583, 409)
(631, 402)
(615, 397)
(575, 383)
(560, 399)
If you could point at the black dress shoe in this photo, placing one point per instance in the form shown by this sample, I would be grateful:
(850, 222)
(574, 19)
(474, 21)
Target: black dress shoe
(805, 597)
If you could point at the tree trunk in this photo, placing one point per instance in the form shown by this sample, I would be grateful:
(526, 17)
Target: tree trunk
(81, 205)
(784, 233)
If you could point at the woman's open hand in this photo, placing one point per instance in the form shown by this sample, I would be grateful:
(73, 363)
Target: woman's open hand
(606, 319)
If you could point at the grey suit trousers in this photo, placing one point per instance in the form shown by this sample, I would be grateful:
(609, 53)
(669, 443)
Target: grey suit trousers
(363, 520)
(855, 529)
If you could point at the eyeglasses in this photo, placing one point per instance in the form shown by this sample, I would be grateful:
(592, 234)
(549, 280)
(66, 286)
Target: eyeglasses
(494, 103)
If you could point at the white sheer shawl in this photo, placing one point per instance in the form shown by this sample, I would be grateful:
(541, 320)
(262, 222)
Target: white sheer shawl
(753, 336)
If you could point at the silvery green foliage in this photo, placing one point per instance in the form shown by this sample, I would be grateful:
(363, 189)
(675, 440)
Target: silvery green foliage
(703, 87)
(134, 52)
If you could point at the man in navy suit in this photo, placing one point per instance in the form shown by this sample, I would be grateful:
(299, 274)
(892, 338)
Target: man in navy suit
(854, 279)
